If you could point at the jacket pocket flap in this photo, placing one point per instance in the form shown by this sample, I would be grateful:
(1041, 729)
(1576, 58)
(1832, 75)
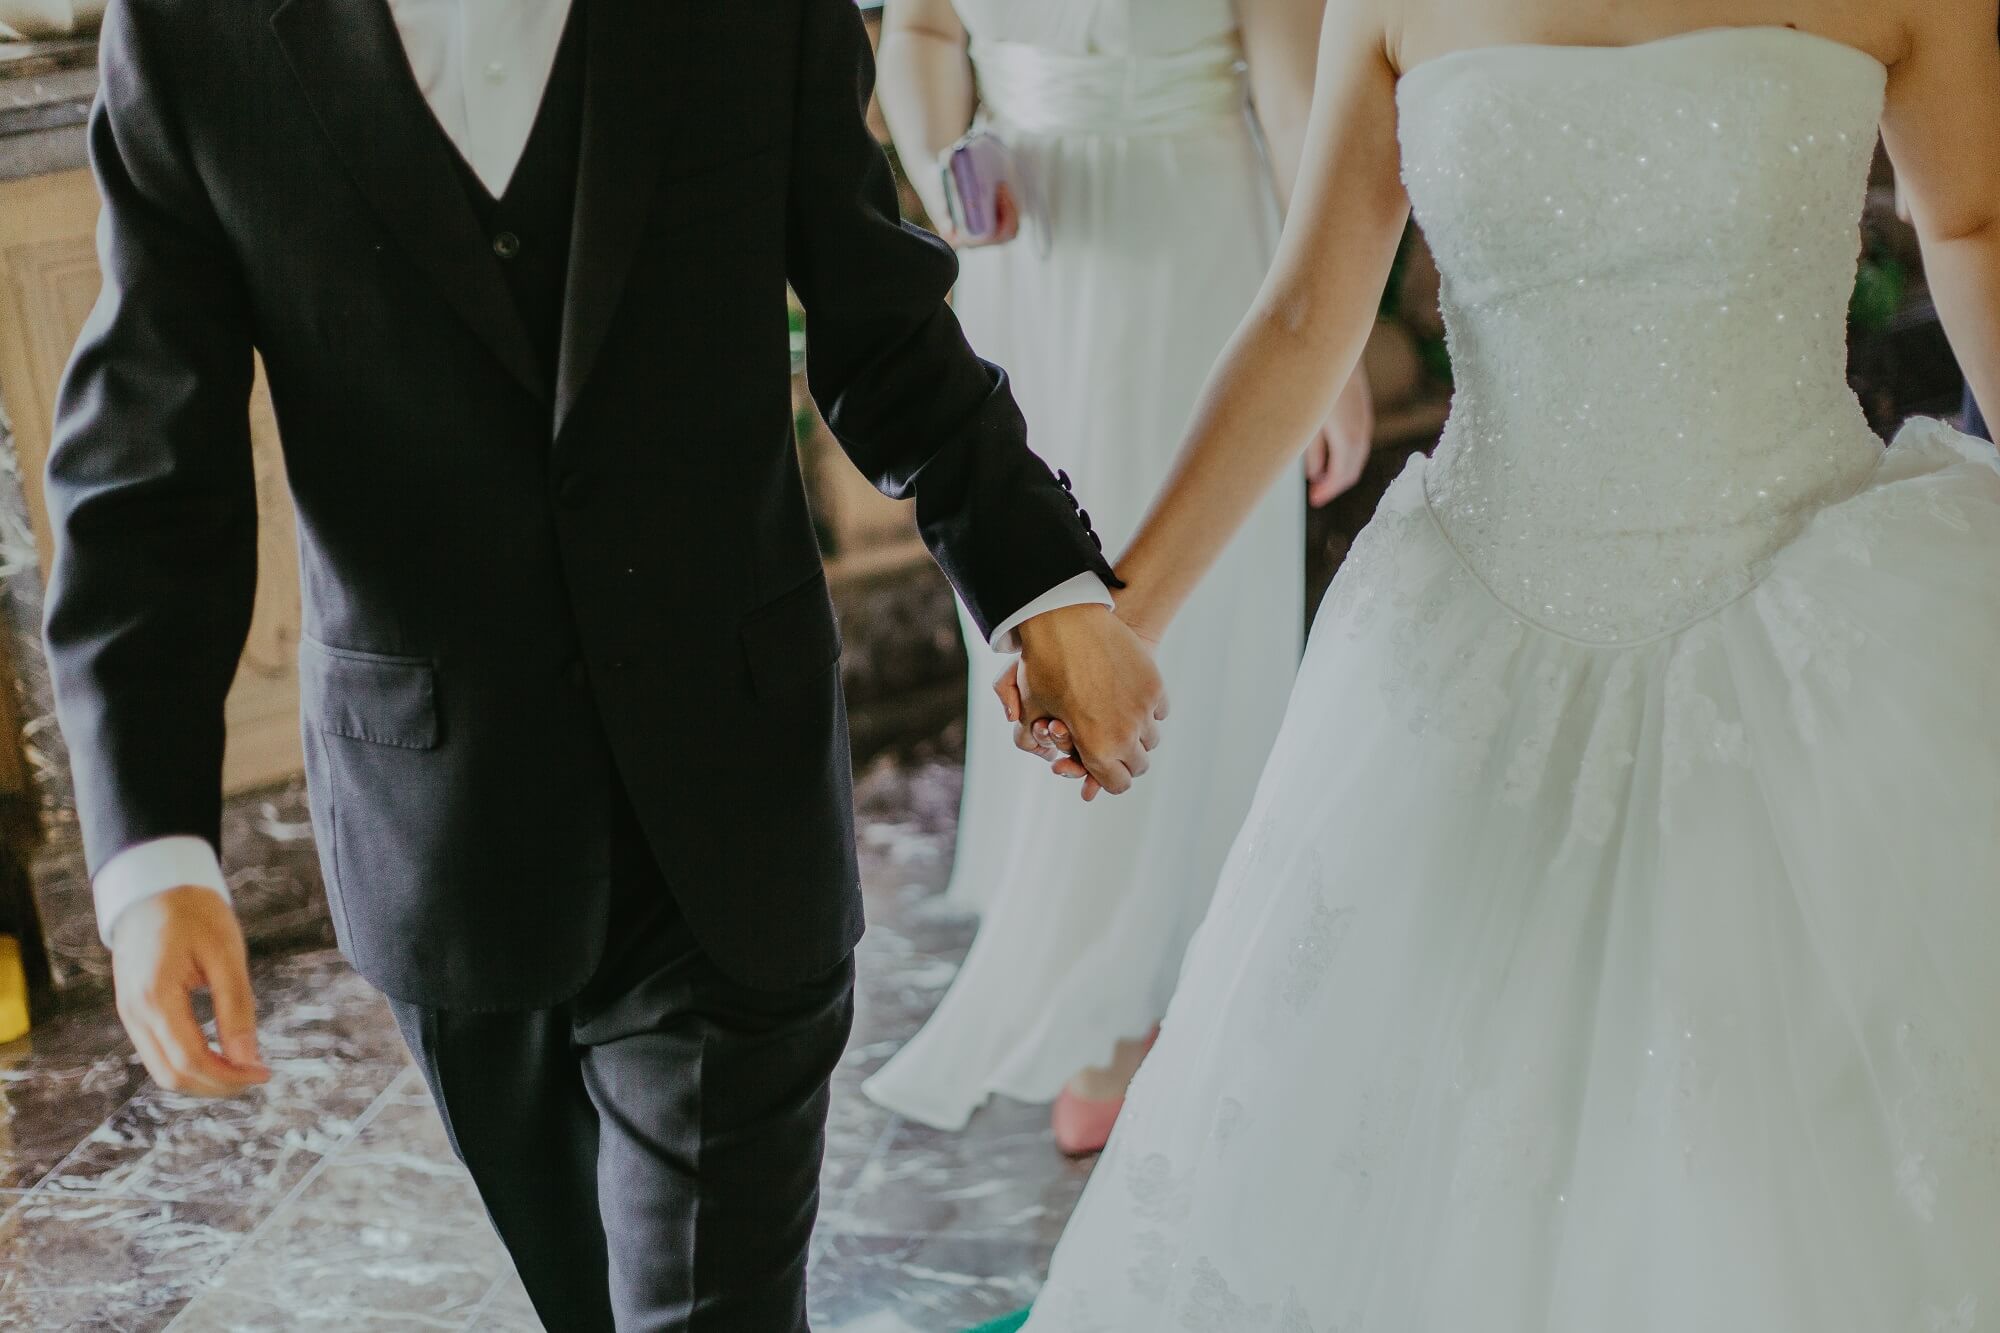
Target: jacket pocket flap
(791, 640)
(369, 696)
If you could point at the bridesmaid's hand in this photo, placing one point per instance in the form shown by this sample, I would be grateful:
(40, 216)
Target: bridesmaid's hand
(1007, 215)
(1337, 455)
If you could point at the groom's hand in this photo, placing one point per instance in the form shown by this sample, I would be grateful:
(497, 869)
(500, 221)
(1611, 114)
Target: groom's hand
(164, 949)
(1086, 667)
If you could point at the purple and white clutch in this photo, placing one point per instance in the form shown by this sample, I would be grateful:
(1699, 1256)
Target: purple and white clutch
(974, 169)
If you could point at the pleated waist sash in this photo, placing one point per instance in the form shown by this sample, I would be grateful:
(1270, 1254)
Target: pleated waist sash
(1050, 93)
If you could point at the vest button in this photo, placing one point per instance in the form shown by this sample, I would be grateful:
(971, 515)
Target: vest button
(506, 245)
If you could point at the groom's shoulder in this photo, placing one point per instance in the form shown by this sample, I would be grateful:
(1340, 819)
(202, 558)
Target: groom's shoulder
(198, 41)
(216, 24)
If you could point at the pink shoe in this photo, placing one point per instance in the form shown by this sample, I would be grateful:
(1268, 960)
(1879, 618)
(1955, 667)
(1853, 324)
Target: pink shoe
(1083, 1126)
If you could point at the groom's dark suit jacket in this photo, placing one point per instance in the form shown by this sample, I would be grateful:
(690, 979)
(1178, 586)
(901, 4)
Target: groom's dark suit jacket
(541, 575)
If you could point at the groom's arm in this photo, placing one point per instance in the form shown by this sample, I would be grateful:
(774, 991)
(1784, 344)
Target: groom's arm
(152, 500)
(908, 400)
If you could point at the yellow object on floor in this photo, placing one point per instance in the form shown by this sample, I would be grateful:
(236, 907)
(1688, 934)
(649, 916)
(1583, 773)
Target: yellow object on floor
(13, 991)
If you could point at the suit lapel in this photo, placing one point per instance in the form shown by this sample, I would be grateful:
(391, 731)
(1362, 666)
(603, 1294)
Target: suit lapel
(627, 115)
(349, 60)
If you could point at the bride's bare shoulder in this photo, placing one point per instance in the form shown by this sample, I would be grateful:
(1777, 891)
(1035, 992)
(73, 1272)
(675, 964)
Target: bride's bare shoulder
(1399, 20)
(1420, 30)
(1921, 22)
(1900, 32)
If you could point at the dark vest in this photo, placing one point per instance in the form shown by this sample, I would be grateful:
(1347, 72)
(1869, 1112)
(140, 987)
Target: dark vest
(528, 227)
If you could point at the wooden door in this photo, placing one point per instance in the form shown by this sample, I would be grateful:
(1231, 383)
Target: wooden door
(48, 280)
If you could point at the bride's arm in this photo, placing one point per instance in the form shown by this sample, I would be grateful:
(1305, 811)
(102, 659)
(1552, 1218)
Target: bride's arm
(924, 82)
(1303, 337)
(1942, 124)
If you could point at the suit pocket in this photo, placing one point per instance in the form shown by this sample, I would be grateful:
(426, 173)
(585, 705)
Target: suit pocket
(369, 696)
(791, 640)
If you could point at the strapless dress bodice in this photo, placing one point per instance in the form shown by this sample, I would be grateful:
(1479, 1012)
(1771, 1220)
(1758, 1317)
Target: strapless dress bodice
(1647, 256)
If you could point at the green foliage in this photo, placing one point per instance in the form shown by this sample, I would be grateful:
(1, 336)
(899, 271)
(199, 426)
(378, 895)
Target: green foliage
(1431, 352)
(1880, 287)
(1399, 267)
(1436, 358)
(805, 424)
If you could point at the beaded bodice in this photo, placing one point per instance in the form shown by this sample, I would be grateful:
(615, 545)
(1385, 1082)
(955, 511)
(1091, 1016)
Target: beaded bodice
(1647, 254)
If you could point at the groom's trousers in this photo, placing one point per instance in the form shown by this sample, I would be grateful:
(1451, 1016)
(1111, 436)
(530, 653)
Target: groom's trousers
(649, 1150)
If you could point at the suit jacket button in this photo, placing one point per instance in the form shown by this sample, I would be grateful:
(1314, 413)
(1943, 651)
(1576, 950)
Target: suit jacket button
(506, 245)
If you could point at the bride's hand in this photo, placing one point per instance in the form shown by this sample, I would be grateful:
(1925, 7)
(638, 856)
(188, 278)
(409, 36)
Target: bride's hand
(1059, 748)
(1337, 455)
(1006, 215)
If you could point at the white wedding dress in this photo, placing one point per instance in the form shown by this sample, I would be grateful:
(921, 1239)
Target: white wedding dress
(1614, 943)
(1150, 224)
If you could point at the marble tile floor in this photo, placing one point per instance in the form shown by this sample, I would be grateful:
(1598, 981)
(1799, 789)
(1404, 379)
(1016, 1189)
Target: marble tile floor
(330, 1201)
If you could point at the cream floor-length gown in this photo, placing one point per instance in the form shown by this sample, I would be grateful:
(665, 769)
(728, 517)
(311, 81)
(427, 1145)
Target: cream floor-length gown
(1150, 223)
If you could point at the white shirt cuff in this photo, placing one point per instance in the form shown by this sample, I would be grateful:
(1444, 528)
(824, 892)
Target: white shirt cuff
(147, 869)
(1085, 589)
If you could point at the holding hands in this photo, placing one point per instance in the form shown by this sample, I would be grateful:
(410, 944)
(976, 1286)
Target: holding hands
(1086, 696)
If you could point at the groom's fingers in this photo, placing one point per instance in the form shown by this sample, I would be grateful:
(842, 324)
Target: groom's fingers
(1111, 774)
(227, 973)
(148, 1048)
(182, 1059)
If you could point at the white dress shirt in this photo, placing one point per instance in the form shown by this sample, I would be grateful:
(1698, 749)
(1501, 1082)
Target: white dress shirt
(483, 66)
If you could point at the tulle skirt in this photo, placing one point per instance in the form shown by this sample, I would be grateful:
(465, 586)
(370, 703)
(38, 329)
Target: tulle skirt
(1556, 988)
(1140, 257)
